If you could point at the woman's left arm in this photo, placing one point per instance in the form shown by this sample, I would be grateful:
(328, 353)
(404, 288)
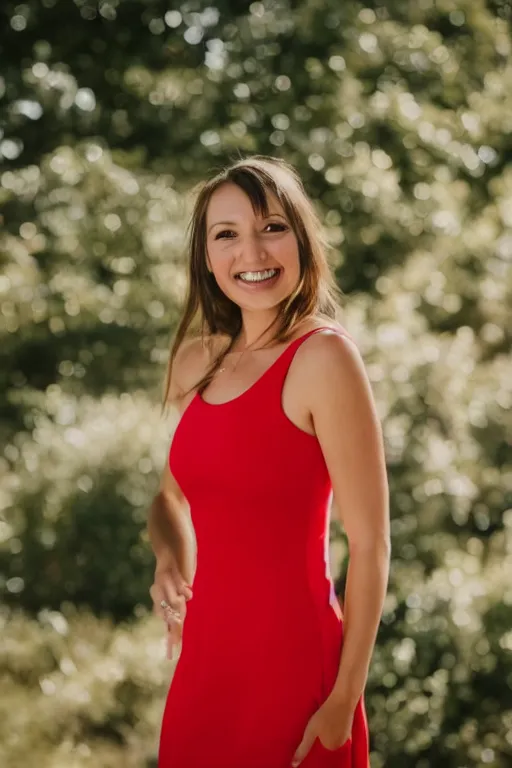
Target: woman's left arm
(349, 432)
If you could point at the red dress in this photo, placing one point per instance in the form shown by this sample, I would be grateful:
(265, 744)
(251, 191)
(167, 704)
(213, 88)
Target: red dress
(263, 632)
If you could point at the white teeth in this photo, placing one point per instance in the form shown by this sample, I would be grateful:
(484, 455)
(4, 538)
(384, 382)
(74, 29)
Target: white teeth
(254, 277)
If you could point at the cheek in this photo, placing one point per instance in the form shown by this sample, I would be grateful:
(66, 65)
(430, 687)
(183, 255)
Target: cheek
(220, 258)
(288, 254)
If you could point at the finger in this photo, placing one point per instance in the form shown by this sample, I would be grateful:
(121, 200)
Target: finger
(172, 570)
(181, 587)
(173, 613)
(159, 600)
(303, 748)
(174, 620)
(174, 629)
(156, 596)
(186, 591)
(165, 589)
(174, 633)
(170, 644)
(171, 590)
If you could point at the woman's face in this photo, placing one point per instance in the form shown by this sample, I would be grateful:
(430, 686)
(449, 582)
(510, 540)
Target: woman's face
(243, 246)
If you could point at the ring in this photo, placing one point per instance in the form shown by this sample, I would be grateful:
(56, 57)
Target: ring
(172, 611)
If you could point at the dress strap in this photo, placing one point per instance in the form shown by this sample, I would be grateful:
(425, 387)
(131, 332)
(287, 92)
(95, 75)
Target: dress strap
(283, 362)
(296, 344)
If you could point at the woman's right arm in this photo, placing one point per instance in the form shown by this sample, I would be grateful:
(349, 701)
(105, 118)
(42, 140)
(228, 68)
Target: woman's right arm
(169, 524)
(170, 529)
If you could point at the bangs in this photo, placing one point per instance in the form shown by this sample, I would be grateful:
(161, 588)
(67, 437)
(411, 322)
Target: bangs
(256, 187)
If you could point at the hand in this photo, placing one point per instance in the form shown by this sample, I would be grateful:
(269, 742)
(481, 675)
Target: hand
(169, 585)
(331, 724)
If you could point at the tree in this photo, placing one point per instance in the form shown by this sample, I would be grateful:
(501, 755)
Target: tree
(397, 116)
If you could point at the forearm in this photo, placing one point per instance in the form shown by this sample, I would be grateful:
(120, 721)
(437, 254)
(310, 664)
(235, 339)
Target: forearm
(171, 534)
(367, 579)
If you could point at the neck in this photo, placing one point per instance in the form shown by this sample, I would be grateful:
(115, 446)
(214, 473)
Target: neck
(254, 328)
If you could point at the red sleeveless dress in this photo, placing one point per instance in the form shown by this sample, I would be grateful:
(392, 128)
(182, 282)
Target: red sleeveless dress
(263, 632)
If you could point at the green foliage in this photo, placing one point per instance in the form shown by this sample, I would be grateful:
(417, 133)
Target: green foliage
(78, 690)
(397, 116)
(78, 525)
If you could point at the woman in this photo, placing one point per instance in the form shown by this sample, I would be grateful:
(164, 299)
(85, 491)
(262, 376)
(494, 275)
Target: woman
(276, 416)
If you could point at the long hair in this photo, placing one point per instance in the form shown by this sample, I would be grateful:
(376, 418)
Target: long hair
(208, 308)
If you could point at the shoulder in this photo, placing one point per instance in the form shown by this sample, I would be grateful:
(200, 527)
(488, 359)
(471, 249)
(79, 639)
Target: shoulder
(338, 396)
(192, 359)
(332, 366)
(329, 346)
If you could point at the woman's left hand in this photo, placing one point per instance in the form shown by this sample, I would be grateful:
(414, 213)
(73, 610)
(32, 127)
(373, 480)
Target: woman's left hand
(331, 724)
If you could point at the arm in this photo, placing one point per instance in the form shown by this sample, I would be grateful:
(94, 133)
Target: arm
(169, 525)
(170, 529)
(348, 429)
(172, 538)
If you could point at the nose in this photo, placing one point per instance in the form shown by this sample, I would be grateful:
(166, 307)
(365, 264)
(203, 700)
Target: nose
(252, 253)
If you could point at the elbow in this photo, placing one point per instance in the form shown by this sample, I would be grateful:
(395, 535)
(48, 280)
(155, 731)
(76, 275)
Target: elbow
(375, 546)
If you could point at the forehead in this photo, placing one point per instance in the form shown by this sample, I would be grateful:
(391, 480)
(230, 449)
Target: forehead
(230, 201)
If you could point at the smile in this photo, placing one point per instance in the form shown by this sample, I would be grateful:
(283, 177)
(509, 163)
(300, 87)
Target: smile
(257, 277)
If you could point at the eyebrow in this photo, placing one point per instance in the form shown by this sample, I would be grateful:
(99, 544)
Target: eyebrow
(231, 223)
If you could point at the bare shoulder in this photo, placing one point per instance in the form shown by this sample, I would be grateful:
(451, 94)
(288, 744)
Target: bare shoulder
(190, 364)
(331, 344)
(331, 361)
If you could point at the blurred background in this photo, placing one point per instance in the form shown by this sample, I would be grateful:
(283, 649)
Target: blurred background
(398, 115)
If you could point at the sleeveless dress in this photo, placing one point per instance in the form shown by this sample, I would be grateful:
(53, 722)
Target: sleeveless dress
(263, 633)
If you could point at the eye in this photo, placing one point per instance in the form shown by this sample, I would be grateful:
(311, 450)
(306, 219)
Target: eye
(277, 226)
(224, 234)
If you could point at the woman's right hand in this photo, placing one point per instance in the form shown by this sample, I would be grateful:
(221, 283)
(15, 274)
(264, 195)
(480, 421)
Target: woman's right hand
(169, 585)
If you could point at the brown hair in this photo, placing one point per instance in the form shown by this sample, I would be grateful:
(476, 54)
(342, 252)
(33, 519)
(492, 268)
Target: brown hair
(316, 292)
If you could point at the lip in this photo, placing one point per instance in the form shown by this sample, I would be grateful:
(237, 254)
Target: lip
(260, 286)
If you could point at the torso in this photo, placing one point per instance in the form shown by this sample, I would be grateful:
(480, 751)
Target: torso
(227, 385)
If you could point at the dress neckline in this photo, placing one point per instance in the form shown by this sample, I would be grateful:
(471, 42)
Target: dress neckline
(199, 397)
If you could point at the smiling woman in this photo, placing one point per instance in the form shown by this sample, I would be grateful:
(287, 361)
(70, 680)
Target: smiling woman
(253, 216)
(260, 251)
(270, 673)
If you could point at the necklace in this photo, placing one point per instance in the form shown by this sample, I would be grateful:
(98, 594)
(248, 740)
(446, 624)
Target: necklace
(221, 370)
